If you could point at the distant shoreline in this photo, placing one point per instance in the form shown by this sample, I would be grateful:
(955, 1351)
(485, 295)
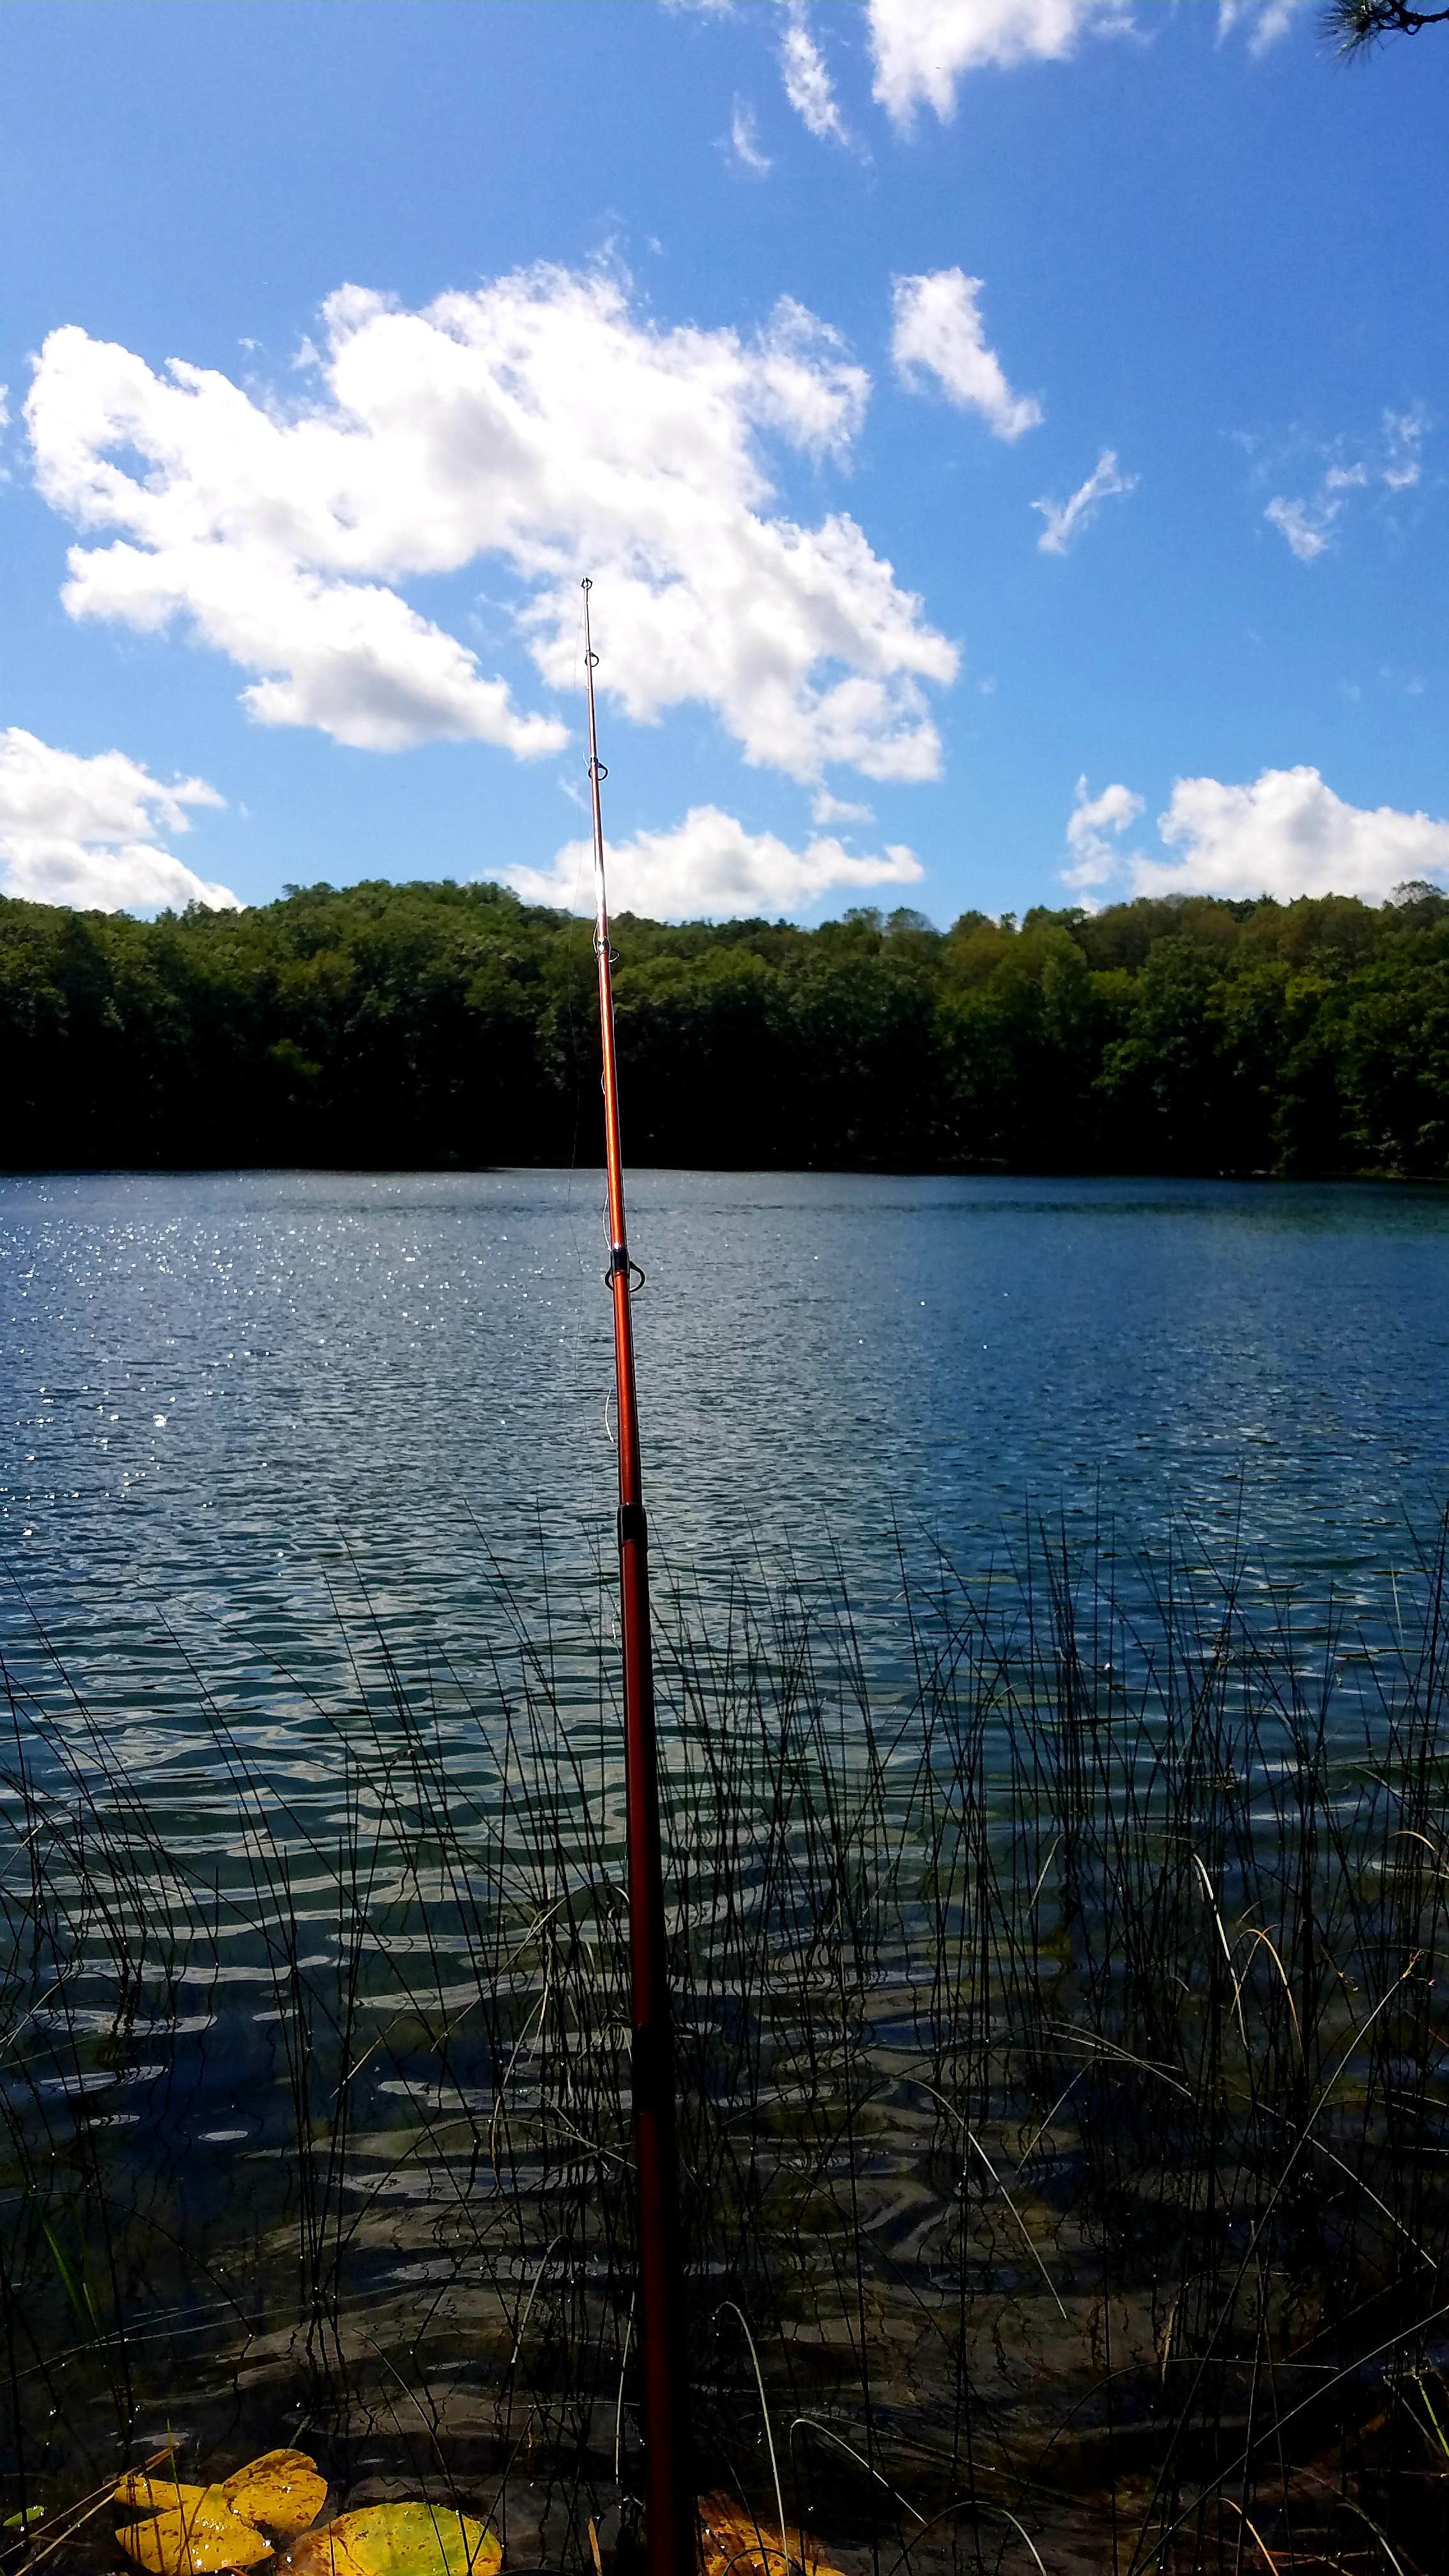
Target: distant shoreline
(1047, 1173)
(442, 1027)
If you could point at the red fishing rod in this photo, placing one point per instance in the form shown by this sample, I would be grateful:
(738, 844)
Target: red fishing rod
(669, 2508)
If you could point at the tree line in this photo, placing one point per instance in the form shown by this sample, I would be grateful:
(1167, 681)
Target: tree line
(386, 1025)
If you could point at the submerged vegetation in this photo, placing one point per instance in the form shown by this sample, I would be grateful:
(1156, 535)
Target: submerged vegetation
(390, 1025)
(1063, 2052)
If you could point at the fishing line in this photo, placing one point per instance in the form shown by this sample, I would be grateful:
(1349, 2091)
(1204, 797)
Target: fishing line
(573, 1374)
(578, 1394)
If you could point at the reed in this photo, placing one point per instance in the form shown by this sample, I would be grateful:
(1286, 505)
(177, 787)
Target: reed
(1063, 2051)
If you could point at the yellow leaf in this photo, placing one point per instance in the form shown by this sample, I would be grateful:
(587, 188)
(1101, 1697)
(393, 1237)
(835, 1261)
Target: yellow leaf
(196, 2540)
(156, 2495)
(283, 2490)
(397, 2540)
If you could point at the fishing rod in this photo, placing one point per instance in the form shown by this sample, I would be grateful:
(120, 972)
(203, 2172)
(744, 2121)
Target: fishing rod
(669, 2510)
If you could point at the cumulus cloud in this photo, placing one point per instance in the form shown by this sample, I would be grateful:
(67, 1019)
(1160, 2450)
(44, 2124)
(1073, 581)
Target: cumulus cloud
(1065, 520)
(1392, 461)
(807, 82)
(939, 332)
(83, 831)
(825, 808)
(922, 49)
(1094, 830)
(1285, 835)
(1288, 834)
(540, 421)
(710, 867)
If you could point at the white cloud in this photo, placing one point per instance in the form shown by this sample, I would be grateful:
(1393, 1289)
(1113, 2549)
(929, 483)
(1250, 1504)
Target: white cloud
(541, 421)
(1285, 835)
(1094, 830)
(710, 867)
(1288, 835)
(825, 808)
(923, 48)
(81, 831)
(1265, 20)
(1309, 525)
(1307, 530)
(1065, 520)
(1404, 432)
(938, 328)
(807, 82)
(1393, 462)
(745, 140)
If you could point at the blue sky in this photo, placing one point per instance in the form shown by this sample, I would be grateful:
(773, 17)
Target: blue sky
(1009, 438)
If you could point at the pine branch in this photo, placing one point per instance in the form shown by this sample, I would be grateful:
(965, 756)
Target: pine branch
(1356, 25)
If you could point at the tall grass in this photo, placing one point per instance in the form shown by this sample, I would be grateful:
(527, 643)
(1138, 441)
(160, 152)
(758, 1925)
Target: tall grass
(1063, 2057)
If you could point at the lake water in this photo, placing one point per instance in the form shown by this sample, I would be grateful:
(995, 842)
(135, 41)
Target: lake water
(226, 1395)
(257, 1426)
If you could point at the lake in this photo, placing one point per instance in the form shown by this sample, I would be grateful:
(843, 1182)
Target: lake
(228, 1395)
(308, 1489)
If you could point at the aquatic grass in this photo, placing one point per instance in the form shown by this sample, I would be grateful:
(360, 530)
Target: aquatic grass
(1063, 2071)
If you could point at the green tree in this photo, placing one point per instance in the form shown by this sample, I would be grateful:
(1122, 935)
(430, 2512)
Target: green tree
(443, 1024)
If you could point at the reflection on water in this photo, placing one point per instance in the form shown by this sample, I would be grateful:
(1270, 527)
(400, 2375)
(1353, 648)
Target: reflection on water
(215, 1383)
(252, 1419)
(307, 1487)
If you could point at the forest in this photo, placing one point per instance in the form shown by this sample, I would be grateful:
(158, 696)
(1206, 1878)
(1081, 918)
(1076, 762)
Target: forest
(439, 1024)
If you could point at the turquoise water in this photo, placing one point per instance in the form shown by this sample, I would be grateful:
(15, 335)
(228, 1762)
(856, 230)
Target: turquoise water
(225, 1396)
